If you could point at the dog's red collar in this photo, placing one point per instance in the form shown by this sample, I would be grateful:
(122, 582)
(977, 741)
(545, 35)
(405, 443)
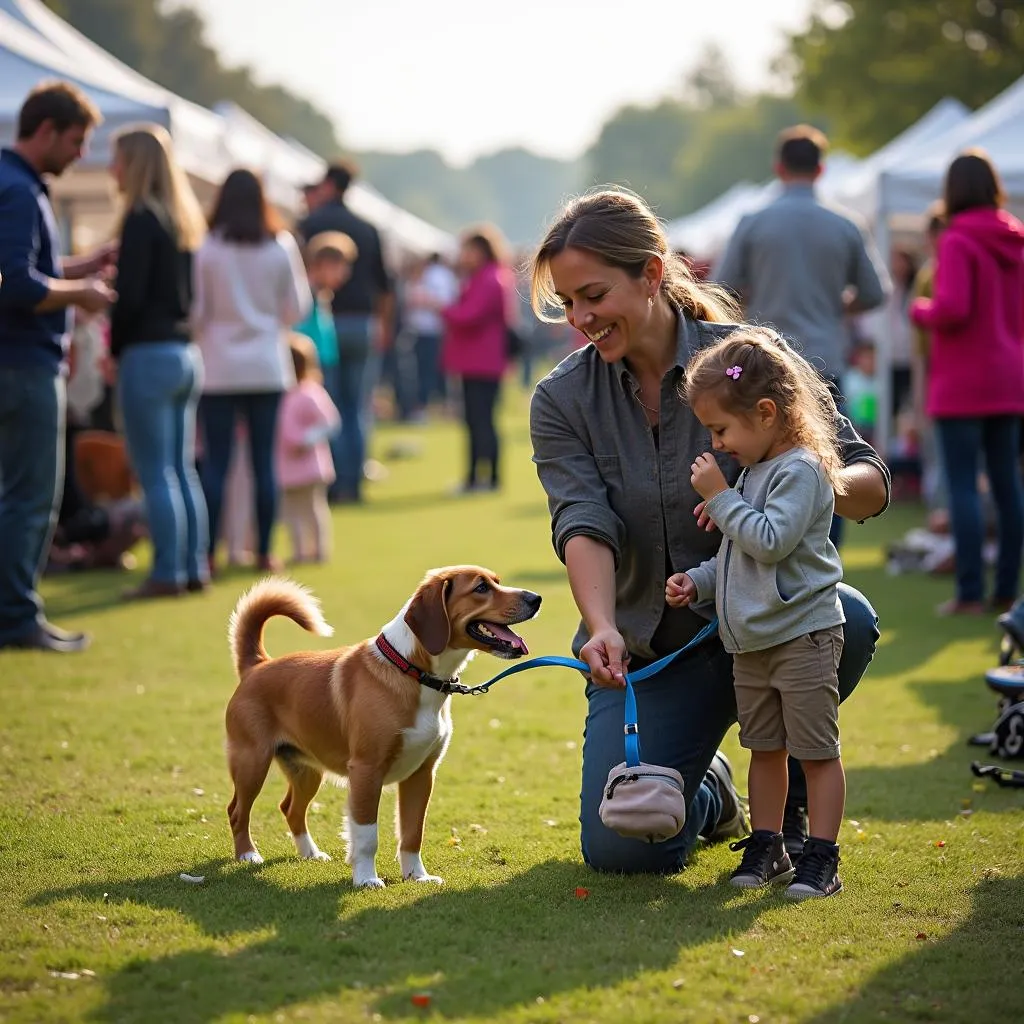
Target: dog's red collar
(408, 668)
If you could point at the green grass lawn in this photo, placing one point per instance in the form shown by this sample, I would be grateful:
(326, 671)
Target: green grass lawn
(113, 783)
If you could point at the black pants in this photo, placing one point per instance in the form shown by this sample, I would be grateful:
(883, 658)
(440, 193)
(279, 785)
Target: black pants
(479, 398)
(901, 385)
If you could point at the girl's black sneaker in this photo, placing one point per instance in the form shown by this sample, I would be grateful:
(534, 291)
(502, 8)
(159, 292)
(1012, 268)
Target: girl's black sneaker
(817, 872)
(765, 861)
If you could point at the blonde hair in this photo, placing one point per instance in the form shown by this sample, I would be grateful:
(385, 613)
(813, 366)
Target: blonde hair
(769, 368)
(331, 244)
(153, 179)
(619, 228)
(304, 358)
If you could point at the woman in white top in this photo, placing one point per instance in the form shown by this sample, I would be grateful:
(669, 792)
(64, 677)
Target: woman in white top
(250, 287)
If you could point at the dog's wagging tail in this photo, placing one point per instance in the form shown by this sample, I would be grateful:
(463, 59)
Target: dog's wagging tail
(264, 600)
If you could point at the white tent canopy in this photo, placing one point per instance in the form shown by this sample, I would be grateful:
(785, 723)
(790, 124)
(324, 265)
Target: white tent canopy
(846, 181)
(998, 127)
(35, 45)
(860, 191)
(706, 232)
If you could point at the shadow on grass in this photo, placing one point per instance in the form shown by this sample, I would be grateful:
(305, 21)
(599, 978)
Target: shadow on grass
(480, 951)
(80, 593)
(98, 590)
(932, 790)
(974, 973)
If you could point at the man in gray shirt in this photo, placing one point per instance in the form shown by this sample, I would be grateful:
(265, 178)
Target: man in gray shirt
(802, 266)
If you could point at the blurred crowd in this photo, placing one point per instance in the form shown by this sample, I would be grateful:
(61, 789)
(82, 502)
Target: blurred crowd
(930, 346)
(224, 371)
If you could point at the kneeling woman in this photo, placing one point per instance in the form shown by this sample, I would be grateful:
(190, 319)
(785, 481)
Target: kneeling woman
(613, 443)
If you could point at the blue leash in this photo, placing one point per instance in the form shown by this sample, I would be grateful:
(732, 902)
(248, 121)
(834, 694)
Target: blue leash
(557, 661)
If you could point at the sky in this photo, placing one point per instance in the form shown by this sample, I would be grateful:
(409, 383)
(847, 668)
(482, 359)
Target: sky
(468, 77)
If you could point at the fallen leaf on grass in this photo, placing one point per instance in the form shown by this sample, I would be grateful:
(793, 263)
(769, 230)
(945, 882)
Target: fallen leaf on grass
(678, 983)
(581, 892)
(192, 879)
(738, 952)
(921, 935)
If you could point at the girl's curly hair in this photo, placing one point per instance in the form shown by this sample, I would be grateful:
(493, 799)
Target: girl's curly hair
(754, 363)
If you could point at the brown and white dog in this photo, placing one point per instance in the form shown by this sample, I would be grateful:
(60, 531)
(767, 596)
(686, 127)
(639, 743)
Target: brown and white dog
(375, 713)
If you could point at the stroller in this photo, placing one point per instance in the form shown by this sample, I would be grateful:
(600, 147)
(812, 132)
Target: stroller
(1006, 737)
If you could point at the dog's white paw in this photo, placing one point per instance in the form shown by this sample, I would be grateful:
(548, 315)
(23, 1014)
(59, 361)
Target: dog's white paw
(435, 879)
(250, 857)
(372, 882)
(307, 849)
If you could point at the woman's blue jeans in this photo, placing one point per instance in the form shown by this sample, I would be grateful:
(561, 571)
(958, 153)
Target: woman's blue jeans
(220, 414)
(158, 390)
(963, 441)
(683, 713)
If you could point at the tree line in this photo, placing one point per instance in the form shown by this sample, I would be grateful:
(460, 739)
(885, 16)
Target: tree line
(861, 70)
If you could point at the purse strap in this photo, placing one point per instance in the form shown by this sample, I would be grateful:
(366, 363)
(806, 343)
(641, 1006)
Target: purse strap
(632, 729)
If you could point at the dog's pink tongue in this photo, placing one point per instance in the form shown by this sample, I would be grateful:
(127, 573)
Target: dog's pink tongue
(502, 633)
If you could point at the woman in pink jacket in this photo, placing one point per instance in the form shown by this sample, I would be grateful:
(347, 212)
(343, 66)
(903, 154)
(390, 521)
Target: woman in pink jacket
(476, 346)
(975, 389)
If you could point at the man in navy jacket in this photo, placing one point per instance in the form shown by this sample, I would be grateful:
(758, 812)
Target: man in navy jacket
(37, 288)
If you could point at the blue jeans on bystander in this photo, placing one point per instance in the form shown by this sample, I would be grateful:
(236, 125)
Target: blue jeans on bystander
(354, 383)
(963, 442)
(32, 403)
(158, 391)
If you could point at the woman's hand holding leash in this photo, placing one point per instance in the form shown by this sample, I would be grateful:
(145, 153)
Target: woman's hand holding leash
(605, 653)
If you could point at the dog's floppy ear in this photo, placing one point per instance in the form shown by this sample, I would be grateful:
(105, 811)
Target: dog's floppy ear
(427, 616)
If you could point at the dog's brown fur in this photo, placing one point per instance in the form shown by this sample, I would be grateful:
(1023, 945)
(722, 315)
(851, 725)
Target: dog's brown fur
(349, 712)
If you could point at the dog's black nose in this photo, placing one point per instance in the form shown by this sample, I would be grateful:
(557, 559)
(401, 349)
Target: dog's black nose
(532, 600)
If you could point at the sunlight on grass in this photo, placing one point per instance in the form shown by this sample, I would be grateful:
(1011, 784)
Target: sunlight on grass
(113, 784)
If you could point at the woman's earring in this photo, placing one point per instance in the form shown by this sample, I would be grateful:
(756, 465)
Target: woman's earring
(650, 302)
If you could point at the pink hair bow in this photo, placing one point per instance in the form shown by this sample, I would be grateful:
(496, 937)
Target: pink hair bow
(734, 372)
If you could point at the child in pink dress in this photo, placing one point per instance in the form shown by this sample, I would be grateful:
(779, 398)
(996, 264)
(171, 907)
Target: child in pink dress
(307, 419)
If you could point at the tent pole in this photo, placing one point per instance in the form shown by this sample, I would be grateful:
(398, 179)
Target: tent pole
(885, 427)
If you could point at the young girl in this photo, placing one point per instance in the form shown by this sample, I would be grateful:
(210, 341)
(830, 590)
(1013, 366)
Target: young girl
(308, 419)
(774, 581)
